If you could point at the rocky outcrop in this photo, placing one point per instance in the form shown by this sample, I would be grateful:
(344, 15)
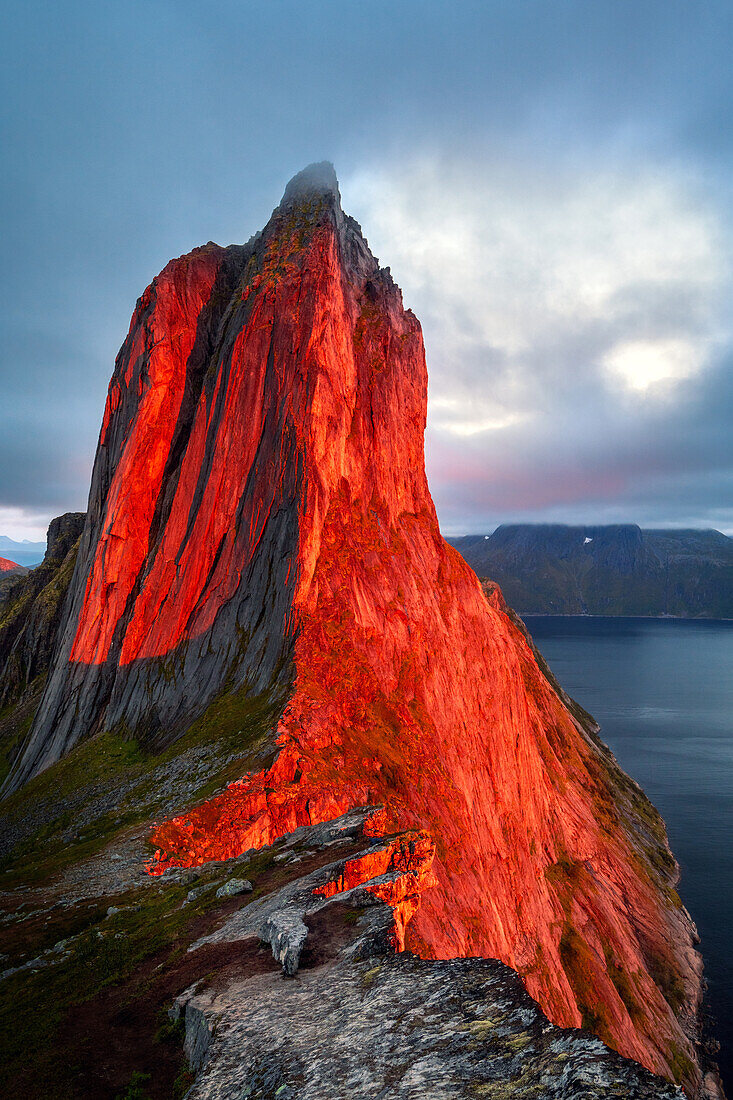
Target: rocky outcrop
(402, 1027)
(552, 569)
(63, 534)
(10, 572)
(259, 516)
(31, 614)
(8, 567)
(363, 1018)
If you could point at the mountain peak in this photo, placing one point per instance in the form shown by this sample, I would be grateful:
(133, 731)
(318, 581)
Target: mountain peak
(316, 179)
(7, 566)
(260, 526)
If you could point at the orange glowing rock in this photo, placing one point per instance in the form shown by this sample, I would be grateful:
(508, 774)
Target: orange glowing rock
(7, 566)
(403, 870)
(259, 502)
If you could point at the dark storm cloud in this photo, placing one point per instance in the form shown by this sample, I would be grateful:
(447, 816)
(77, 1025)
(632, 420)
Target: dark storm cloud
(132, 132)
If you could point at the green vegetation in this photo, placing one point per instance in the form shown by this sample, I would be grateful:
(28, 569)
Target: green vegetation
(183, 1083)
(580, 965)
(625, 987)
(682, 1068)
(117, 975)
(34, 1026)
(170, 1031)
(136, 1089)
(236, 726)
(15, 722)
(665, 976)
(235, 721)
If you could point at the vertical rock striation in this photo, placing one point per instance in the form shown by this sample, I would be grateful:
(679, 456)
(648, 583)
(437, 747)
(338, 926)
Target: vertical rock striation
(259, 515)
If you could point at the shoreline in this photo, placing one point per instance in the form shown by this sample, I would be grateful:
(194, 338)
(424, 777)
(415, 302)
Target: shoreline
(651, 618)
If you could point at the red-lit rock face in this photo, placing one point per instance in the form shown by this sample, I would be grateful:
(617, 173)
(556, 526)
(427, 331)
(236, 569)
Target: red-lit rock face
(260, 494)
(402, 870)
(7, 566)
(166, 340)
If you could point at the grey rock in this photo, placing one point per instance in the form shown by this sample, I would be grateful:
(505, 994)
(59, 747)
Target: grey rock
(286, 932)
(196, 893)
(371, 1024)
(234, 887)
(349, 825)
(200, 1027)
(63, 533)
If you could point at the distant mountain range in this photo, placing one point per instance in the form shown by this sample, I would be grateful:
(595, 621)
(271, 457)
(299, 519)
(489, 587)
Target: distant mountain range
(24, 553)
(552, 569)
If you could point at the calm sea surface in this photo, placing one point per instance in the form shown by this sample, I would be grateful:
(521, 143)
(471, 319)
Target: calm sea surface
(662, 690)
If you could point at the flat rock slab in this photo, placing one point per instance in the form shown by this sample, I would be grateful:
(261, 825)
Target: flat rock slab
(358, 1021)
(398, 1026)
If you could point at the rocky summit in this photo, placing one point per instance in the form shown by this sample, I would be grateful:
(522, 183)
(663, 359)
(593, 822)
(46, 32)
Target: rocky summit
(261, 632)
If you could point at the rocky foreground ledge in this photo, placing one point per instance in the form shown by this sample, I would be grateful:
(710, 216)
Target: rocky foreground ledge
(282, 974)
(362, 1020)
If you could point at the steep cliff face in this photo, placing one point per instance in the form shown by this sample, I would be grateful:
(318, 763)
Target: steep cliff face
(259, 515)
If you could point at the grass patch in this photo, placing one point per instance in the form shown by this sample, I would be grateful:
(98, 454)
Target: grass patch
(581, 966)
(682, 1068)
(624, 987)
(234, 723)
(136, 1090)
(666, 978)
(15, 724)
(35, 1005)
(37, 1009)
(80, 1029)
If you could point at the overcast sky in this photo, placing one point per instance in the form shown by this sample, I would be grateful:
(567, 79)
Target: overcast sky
(550, 183)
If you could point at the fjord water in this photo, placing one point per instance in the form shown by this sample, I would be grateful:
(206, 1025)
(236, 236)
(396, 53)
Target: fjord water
(662, 690)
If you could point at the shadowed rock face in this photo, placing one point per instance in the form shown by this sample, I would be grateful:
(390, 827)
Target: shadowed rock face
(259, 514)
(31, 612)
